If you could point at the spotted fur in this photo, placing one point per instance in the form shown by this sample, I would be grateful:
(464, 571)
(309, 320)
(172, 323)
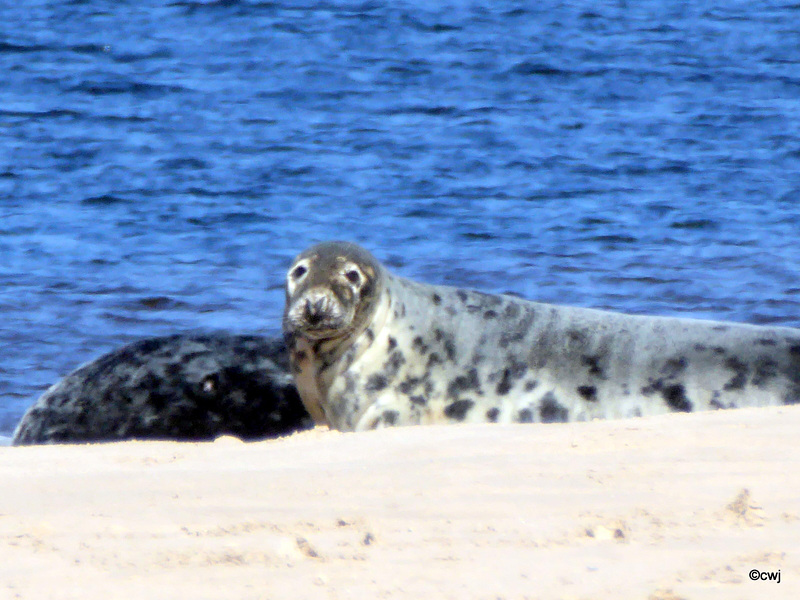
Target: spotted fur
(185, 387)
(410, 353)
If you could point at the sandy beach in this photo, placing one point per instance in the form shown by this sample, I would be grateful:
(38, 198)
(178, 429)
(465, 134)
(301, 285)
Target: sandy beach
(678, 506)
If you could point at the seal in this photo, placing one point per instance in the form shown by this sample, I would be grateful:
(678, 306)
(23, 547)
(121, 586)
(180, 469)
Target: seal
(178, 387)
(370, 349)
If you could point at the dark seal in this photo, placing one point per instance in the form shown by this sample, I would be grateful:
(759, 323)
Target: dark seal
(179, 387)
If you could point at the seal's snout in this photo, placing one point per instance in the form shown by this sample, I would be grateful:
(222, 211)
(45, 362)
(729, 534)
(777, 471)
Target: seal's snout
(314, 311)
(317, 314)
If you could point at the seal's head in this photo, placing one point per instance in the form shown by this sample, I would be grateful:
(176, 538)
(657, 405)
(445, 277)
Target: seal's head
(331, 291)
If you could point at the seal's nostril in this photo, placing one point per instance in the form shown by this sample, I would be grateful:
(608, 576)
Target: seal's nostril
(313, 311)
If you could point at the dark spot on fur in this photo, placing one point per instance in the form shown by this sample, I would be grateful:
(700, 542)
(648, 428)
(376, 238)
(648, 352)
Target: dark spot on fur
(376, 383)
(593, 362)
(653, 387)
(588, 393)
(433, 359)
(550, 411)
(370, 335)
(504, 385)
(531, 385)
(351, 413)
(765, 369)
(719, 350)
(793, 373)
(525, 416)
(393, 364)
(408, 385)
(350, 356)
(675, 397)
(366, 289)
(149, 346)
(437, 299)
(463, 383)
(392, 343)
(516, 335)
(511, 311)
(477, 357)
(462, 295)
(450, 349)
(700, 347)
(487, 299)
(390, 417)
(577, 337)
(300, 355)
(674, 367)
(492, 414)
(419, 345)
(458, 410)
(720, 328)
(767, 342)
(739, 378)
(174, 369)
(349, 384)
(418, 400)
(326, 361)
(447, 341)
(157, 401)
(490, 314)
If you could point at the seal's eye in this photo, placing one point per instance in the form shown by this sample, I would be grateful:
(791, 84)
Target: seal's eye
(299, 271)
(353, 276)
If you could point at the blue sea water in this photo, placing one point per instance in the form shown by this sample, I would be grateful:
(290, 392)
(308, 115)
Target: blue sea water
(162, 161)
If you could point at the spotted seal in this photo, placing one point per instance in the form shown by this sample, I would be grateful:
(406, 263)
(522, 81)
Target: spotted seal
(180, 387)
(370, 349)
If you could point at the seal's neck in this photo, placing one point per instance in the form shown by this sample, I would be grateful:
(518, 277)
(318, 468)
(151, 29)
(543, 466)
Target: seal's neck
(350, 347)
